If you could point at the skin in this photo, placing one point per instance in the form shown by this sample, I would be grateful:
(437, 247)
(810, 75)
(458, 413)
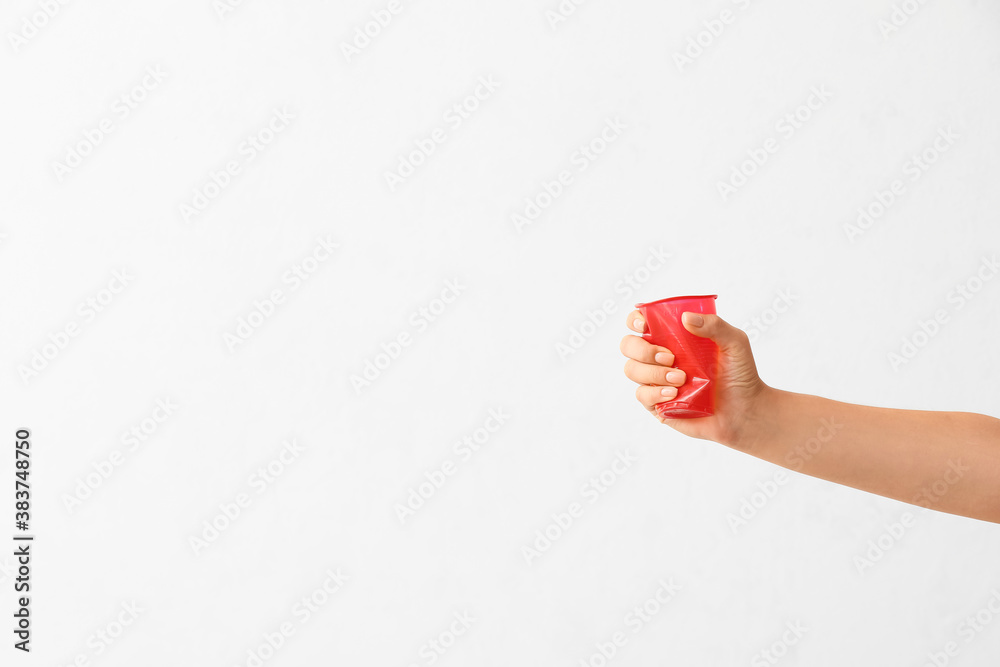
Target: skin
(947, 461)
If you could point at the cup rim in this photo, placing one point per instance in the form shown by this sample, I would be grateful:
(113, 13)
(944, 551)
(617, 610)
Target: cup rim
(677, 298)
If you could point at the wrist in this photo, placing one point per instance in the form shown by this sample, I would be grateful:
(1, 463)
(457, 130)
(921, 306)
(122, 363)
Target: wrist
(756, 429)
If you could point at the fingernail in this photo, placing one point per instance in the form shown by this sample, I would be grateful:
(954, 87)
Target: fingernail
(663, 358)
(638, 323)
(696, 320)
(675, 376)
(668, 392)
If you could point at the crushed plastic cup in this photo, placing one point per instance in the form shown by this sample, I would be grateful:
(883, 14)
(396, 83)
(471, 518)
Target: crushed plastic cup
(696, 356)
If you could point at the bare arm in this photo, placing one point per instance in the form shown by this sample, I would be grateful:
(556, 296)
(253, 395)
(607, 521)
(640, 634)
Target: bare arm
(947, 461)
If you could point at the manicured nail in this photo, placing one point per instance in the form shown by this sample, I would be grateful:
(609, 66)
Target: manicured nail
(663, 358)
(668, 392)
(696, 320)
(638, 324)
(675, 376)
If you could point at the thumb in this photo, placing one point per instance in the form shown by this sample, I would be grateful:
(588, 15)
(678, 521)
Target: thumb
(705, 325)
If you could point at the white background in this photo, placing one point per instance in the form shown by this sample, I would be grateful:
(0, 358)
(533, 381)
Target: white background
(855, 298)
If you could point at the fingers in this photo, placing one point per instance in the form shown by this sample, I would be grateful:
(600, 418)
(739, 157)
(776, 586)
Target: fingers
(649, 364)
(643, 351)
(712, 326)
(653, 374)
(650, 396)
(636, 322)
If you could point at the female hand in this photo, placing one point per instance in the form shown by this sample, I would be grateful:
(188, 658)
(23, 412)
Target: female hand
(739, 389)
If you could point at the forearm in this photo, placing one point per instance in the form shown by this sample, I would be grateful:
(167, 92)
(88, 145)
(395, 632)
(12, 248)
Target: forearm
(948, 461)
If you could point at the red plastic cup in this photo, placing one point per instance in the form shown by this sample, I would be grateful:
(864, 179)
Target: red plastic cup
(697, 357)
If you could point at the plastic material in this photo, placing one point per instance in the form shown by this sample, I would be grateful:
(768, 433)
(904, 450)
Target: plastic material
(697, 357)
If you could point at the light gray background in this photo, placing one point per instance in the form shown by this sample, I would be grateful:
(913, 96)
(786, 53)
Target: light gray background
(495, 346)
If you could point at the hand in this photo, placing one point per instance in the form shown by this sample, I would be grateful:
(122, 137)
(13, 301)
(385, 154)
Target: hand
(740, 393)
